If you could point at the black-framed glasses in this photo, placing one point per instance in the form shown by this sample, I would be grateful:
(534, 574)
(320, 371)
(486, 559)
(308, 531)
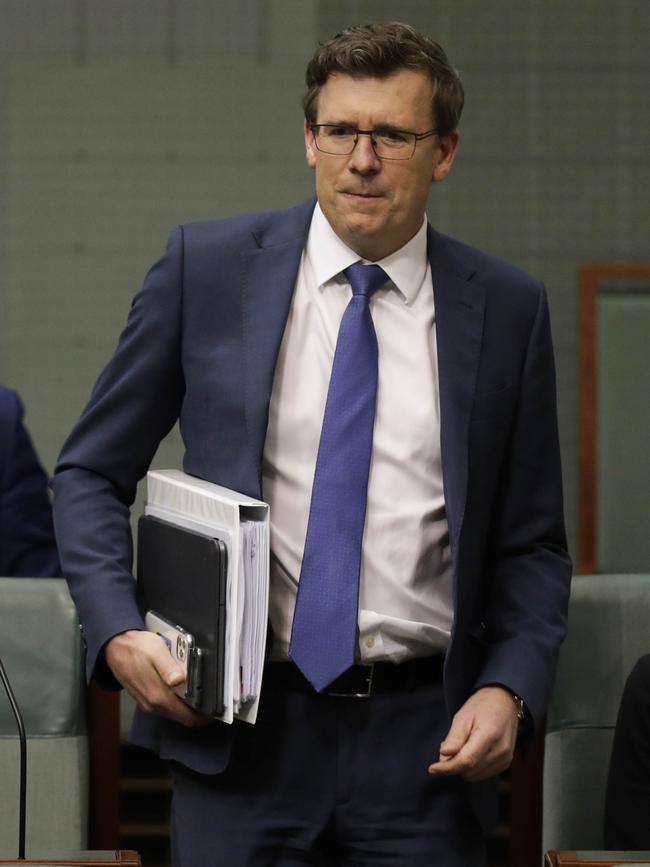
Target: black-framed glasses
(388, 143)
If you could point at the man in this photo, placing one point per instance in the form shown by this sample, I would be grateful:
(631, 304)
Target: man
(406, 441)
(27, 544)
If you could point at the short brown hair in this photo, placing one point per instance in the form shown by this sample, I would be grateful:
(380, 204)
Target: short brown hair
(379, 50)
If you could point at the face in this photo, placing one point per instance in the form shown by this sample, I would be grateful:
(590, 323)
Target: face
(375, 206)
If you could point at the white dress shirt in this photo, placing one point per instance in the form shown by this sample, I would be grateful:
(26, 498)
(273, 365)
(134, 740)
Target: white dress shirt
(405, 596)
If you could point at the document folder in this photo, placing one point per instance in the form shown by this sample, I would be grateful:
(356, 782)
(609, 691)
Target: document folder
(239, 610)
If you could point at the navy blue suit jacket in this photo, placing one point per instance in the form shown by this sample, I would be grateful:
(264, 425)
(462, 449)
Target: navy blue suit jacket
(201, 345)
(27, 545)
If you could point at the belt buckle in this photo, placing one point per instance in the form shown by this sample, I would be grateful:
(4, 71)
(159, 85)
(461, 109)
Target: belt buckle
(369, 671)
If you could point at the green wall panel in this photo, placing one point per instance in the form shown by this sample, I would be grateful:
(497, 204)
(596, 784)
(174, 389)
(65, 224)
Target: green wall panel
(623, 433)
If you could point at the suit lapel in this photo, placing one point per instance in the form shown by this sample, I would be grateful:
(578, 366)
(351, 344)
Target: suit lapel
(459, 310)
(269, 270)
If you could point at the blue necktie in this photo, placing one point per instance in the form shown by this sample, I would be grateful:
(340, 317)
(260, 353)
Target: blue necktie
(324, 632)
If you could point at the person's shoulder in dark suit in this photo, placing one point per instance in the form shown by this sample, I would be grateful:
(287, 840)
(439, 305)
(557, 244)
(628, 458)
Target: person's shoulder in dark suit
(27, 543)
(627, 797)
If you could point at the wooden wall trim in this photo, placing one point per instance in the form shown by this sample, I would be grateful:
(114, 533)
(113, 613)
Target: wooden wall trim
(103, 710)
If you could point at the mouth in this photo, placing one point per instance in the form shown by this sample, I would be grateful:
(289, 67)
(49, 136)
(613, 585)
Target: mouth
(361, 196)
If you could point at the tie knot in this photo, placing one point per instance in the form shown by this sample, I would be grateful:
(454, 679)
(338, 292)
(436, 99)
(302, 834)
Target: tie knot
(365, 279)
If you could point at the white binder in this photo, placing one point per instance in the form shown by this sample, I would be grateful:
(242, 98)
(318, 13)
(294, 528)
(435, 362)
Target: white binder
(242, 522)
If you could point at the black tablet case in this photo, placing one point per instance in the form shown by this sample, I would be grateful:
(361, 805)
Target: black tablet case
(182, 576)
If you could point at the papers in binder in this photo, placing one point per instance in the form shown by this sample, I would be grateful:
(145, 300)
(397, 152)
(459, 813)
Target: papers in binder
(242, 523)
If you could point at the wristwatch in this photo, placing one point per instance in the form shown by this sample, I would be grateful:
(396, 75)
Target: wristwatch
(521, 707)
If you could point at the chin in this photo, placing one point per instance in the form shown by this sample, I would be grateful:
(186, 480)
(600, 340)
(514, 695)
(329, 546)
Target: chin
(364, 227)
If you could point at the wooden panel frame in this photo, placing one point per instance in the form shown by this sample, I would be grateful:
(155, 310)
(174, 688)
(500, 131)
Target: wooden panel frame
(525, 808)
(103, 711)
(591, 276)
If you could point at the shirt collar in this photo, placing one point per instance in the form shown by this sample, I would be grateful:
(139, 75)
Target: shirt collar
(328, 255)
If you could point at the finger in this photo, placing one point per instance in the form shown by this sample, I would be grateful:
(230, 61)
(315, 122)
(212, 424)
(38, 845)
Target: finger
(181, 712)
(156, 697)
(449, 748)
(490, 767)
(159, 696)
(478, 760)
(167, 702)
(456, 738)
(465, 759)
(168, 669)
(446, 768)
(458, 765)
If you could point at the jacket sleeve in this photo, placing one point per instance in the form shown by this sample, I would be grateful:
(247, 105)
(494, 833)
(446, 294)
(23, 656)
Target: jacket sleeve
(528, 569)
(134, 404)
(27, 544)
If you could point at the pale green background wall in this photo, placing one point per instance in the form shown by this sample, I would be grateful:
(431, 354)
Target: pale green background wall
(120, 118)
(623, 422)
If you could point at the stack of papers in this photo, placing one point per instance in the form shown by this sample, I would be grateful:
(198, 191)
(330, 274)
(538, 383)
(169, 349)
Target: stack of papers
(251, 641)
(242, 523)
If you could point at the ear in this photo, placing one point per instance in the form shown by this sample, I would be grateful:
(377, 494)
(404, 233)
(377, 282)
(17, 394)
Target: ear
(444, 156)
(310, 146)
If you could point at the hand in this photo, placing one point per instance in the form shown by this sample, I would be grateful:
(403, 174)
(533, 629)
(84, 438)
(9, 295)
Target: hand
(482, 737)
(145, 668)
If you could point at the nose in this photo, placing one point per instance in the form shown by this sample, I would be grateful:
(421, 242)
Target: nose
(363, 159)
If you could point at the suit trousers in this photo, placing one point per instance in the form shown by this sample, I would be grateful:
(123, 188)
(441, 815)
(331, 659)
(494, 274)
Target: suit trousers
(331, 781)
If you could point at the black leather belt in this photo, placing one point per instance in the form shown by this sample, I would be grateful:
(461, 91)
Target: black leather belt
(356, 682)
(361, 681)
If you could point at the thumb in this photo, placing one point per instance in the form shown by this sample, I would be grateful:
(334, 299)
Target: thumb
(173, 676)
(456, 738)
(169, 670)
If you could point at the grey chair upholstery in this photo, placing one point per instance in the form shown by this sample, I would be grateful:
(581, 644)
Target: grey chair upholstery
(40, 646)
(609, 629)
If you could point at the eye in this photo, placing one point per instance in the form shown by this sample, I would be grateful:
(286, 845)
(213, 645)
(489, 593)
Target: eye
(392, 136)
(339, 131)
